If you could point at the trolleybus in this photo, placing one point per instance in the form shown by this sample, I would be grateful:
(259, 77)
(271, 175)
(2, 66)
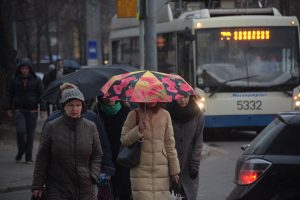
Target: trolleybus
(244, 63)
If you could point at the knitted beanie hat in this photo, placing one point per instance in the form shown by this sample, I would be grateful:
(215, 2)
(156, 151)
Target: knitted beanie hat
(72, 93)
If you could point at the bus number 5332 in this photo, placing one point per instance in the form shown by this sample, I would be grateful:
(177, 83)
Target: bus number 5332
(249, 105)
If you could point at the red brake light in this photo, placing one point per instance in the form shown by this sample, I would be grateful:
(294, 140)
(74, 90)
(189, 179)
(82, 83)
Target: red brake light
(251, 170)
(247, 177)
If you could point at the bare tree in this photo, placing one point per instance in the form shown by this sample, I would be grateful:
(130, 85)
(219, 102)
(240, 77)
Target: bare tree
(7, 52)
(108, 10)
(80, 17)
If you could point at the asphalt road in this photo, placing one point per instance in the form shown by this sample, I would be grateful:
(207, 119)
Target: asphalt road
(217, 170)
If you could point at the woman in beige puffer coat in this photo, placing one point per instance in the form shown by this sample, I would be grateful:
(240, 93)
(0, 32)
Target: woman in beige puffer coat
(159, 161)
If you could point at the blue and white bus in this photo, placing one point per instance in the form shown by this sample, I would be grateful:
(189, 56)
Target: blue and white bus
(244, 63)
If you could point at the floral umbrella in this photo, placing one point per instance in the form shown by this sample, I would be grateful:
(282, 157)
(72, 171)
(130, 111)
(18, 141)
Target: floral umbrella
(146, 86)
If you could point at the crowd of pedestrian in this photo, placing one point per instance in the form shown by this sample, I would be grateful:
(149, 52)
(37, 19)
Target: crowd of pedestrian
(79, 145)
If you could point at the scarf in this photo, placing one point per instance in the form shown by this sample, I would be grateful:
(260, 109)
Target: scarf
(110, 110)
(182, 115)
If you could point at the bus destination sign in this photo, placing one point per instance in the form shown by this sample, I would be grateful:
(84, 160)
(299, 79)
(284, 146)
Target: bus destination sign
(246, 35)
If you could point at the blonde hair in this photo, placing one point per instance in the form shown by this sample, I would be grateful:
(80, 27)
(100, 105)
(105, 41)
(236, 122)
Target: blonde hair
(66, 86)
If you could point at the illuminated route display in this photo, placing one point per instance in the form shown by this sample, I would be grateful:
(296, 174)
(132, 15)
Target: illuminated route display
(245, 35)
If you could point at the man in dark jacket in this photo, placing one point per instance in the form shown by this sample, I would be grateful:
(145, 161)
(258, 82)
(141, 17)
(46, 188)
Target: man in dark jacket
(24, 96)
(50, 76)
(54, 74)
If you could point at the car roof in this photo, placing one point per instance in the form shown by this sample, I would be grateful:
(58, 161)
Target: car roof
(261, 143)
(290, 118)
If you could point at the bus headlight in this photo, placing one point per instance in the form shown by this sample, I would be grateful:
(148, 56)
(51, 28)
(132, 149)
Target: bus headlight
(297, 102)
(200, 102)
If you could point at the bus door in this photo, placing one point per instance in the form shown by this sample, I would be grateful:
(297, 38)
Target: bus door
(185, 58)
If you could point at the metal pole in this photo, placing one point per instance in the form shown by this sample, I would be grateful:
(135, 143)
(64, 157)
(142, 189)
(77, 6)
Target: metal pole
(150, 37)
(141, 44)
(14, 30)
(94, 43)
(142, 17)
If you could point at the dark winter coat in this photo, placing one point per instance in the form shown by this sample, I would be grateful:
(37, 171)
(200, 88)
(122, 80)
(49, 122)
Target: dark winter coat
(189, 142)
(69, 158)
(50, 76)
(113, 125)
(25, 97)
(107, 165)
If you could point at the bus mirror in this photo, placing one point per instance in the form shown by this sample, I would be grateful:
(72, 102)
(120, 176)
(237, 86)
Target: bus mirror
(187, 35)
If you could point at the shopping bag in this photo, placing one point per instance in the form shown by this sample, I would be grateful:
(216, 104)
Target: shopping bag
(175, 192)
(105, 191)
(174, 196)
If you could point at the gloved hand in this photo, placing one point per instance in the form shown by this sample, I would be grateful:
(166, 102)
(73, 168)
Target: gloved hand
(103, 179)
(175, 178)
(36, 194)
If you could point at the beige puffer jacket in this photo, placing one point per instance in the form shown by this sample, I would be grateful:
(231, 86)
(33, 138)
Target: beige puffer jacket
(150, 179)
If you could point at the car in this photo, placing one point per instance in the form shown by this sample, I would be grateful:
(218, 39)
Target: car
(269, 167)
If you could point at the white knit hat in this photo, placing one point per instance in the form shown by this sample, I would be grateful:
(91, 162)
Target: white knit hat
(72, 93)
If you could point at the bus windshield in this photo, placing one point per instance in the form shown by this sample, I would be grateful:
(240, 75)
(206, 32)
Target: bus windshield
(260, 57)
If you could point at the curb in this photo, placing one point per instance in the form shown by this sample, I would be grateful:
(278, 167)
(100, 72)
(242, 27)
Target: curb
(205, 151)
(13, 189)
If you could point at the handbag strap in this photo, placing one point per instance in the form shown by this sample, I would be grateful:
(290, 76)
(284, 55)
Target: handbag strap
(137, 123)
(137, 116)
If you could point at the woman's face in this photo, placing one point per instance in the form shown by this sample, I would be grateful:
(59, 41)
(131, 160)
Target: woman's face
(73, 108)
(183, 102)
(109, 102)
(151, 104)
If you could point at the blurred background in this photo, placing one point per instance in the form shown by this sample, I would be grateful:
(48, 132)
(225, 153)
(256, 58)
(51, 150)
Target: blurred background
(45, 30)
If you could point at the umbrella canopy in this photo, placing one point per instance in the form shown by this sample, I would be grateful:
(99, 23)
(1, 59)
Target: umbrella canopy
(71, 64)
(88, 80)
(146, 86)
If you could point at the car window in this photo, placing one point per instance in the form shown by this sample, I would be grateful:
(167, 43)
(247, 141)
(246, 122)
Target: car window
(287, 142)
(265, 137)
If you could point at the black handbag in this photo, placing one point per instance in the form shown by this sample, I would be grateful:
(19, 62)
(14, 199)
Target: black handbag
(129, 156)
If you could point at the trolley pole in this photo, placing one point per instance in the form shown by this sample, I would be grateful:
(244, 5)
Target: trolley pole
(150, 36)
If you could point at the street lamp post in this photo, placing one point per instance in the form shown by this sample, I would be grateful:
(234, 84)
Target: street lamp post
(150, 36)
(94, 46)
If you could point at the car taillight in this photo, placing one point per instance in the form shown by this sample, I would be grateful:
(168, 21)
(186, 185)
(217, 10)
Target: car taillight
(251, 170)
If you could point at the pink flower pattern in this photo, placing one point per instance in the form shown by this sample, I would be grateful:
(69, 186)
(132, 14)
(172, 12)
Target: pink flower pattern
(185, 87)
(147, 86)
(117, 89)
(126, 81)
